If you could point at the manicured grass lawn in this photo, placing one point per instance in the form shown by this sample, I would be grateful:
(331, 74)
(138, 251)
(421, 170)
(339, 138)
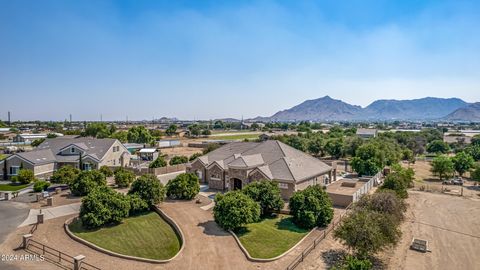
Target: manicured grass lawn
(146, 236)
(3, 156)
(270, 237)
(12, 187)
(236, 137)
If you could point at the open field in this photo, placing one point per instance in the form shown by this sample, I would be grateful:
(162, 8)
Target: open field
(449, 223)
(248, 136)
(146, 236)
(270, 237)
(12, 187)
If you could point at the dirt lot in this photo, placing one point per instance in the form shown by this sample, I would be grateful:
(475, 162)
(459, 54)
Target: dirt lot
(424, 179)
(451, 225)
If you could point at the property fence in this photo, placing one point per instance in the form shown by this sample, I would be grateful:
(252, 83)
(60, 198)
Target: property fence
(370, 183)
(301, 257)
(56, 257)
(157, 171)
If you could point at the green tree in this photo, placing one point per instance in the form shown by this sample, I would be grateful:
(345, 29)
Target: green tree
(24, 176)
(442, 166)
(367, 232)
(235, 209)
(86, 181)
(106, 171)
(178, 160)
(311, 207)
(65, 175)
(139, 134)
(183, 187)
(384, 202)
(315, 146)
(266, 193)
(37, 142)
(210, 147)
(297, 143)
(103, 206)
(462, 162)
(40, 185)
(158, 162)
(123, 178)
(137, 205)
(122, 136)
(438, 146)
(149, 188)
(475, 174)
(194, 156)
(171, 130)
(97, 130)
(335, 147)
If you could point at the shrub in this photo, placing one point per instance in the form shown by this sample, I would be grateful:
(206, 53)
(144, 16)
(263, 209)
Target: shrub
(24, 177)
(65, 175)
(86, 181)
(395, 183)
(106, 171)
(311, 207)
(40, 185)
(267, 194)
(354, 263)
(149, 188)
(235, 209)
(137, 205)
(158, 163)
(184, 187)
(475, 174)
(194, 156)
(103, 206)
(178, 160)
(367, 232)
(123, 178)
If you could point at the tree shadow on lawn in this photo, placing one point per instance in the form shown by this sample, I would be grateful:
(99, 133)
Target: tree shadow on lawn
(211, 228)
(286, 223)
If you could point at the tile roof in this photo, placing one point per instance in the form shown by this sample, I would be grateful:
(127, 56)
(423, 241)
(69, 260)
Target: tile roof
(275, 159)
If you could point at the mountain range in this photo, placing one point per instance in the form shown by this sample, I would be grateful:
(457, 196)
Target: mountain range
(429, 108)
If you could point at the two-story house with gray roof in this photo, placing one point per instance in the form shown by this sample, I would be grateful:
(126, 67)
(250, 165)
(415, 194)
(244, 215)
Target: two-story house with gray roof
(237, 164)
(83, 152)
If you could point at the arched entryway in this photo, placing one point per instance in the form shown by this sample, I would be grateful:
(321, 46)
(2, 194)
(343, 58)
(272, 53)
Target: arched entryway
(237, 184)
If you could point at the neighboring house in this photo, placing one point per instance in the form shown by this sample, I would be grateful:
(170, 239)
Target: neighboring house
(366, 133)
(235, 165)
(27, 137)
(55, 153)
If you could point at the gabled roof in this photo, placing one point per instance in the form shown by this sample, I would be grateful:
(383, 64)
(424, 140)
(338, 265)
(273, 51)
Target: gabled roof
(36, 157)
(91, 146)
(274, 159)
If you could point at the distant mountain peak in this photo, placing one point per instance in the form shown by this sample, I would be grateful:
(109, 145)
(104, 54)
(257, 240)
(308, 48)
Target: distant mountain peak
(329, 109)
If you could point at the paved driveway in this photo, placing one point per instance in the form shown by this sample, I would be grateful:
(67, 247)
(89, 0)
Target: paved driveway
(11, 215)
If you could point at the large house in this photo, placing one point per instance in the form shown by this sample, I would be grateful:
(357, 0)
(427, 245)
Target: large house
(57, 152)
(235, 165)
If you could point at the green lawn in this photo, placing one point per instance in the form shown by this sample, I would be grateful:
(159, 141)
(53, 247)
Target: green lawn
(12, 187)
(146, 236)
(270, 237)
(3, 156)
(235, 137)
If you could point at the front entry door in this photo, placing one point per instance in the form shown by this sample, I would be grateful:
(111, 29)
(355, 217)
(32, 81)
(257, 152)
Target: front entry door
(237, 184)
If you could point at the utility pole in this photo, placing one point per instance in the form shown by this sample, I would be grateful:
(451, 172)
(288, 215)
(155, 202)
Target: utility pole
(101, 118)
(70, 118)
(9, 118)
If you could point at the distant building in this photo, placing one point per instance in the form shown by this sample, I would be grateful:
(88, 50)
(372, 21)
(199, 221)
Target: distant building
(28, 137)
(367, 133)
(168, 143)
(148, 154)
(83, 153)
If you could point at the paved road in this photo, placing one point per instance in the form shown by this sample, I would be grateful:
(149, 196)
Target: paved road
(11, 215)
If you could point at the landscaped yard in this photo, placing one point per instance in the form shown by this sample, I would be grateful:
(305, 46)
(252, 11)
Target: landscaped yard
(270, 237)
(12, 187)
(146, 236)
(3, 156)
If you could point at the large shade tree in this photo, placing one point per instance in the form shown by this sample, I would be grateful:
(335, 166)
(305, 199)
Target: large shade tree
(234, 210)
(311, 207)
(266, 193)
(149, 188)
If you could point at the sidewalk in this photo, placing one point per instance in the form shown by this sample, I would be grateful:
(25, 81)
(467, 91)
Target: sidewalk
(50, 213)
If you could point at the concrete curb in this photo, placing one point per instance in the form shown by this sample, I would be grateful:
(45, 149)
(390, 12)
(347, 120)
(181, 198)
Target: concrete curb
(250, 258)
(169, 220)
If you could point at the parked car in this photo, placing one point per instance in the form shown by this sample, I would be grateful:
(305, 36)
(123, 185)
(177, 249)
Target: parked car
(448, 182)
(458, 181)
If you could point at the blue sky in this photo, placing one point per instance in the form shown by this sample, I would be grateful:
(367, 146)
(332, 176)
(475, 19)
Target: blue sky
(210, 59)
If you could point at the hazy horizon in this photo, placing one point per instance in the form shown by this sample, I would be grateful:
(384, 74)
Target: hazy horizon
(210, 59)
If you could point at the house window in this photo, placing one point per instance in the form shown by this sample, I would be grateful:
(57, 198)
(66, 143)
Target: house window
(72, 150)
(114, 162)
(283, 185)
(87, 166)
(14, 170)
